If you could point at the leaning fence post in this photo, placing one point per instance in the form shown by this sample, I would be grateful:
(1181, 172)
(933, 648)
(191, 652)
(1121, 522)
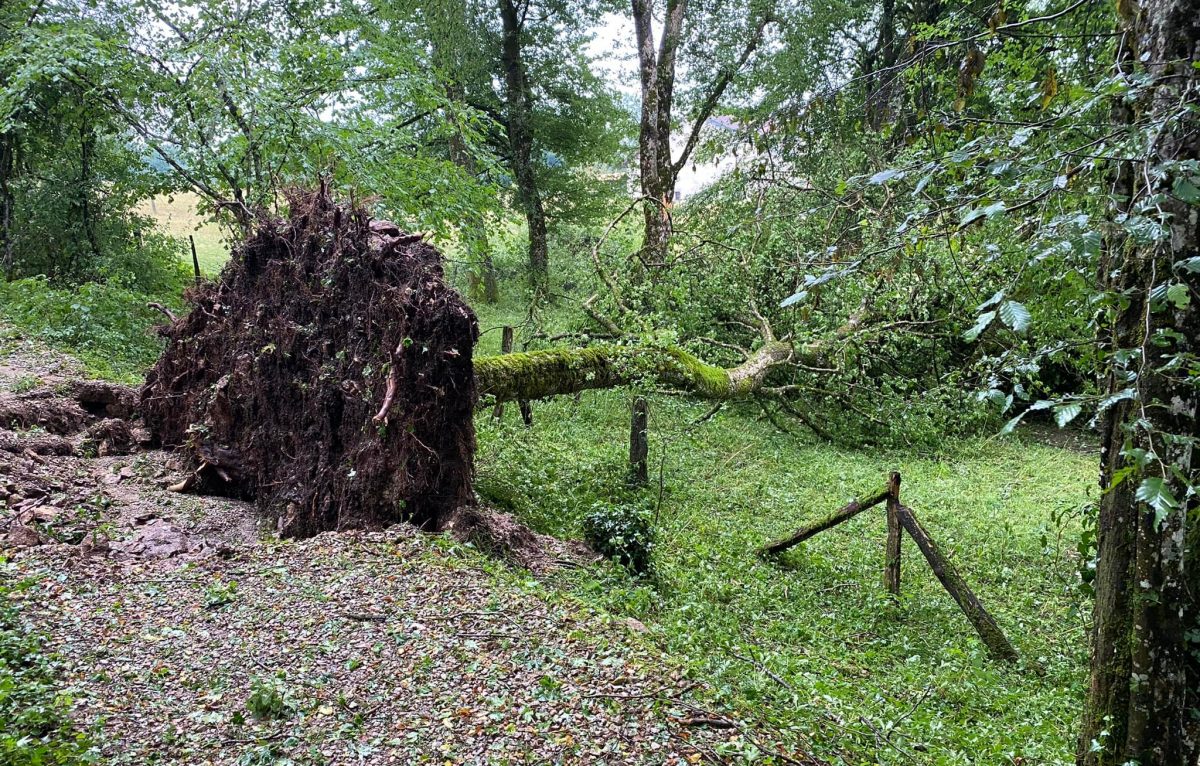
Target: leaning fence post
(985, 625)
(639, 444)
(891, 570)
(506, 345)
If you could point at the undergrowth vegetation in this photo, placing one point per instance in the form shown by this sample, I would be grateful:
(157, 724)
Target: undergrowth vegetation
(108, 326)
(810, 644)
(34, 725)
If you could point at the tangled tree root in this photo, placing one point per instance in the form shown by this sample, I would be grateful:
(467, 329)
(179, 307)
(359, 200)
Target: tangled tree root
(326, 376)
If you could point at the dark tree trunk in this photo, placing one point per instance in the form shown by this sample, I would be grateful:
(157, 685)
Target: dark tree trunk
(87, 151)
(878, 67)
(7, 163)
(1145, 680)
(520, 140)
(483, 282)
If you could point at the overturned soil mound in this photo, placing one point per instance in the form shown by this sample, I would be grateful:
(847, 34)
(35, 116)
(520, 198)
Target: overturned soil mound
(326, 376)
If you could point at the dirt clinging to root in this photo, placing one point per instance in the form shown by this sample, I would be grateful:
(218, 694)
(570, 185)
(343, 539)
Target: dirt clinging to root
(326, 376)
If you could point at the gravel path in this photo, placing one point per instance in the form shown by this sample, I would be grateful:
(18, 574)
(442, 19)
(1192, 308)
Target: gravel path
(349, 648)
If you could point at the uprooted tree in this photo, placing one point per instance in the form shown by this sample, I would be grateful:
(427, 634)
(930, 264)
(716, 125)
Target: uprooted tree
(328, 375)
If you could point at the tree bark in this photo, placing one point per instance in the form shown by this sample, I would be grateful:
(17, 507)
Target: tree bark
(7, 162)
(845, 513)
(639, 444)
(891, 569)
(1145, 676)
(656, 68)
(538, 374)
(520, 139)
(878, 65)
(87, 151)
(483, 282)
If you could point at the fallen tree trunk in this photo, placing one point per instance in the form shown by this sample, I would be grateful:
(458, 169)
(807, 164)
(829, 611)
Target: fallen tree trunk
(553, 372)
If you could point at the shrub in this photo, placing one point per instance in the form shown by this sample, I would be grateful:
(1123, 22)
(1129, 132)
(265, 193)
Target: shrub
(107, 326)
(270, 699)
(623, 533)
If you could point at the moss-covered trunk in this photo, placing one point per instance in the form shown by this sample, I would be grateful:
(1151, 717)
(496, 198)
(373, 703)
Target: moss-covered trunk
(538, 374)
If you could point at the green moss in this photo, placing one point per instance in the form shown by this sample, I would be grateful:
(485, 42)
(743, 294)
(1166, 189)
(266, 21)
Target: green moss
(539, 374)
(708, 380)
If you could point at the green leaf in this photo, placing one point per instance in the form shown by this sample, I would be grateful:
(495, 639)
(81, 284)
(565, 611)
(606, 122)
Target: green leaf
(988, 211)
(999, 296)
(794, 298)
(1178, 294)
(1154, 492)
(981, 324)
(884, 176)
(1011, 425)
(1187, 191)
(1015, 315)
(1065, 413)
(1109, 401)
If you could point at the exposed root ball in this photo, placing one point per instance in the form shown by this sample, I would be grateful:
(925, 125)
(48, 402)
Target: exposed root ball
(326, 375)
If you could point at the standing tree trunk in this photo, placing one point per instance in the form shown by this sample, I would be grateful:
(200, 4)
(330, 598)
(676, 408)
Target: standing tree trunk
(657, 74)
(7, 163)
(520, 140)
(87, 152)
(483, 282)
(1145, 676)
(877, 68)
(656, 69)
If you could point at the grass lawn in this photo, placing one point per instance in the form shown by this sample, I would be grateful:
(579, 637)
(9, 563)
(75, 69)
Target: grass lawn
(809, 643)
(177, 215)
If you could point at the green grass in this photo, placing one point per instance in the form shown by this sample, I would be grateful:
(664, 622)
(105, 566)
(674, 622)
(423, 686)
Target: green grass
(176, 214)
(858, 680)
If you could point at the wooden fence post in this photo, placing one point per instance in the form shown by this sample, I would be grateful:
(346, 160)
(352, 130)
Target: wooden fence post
(195, 260)
(982, 620)
(639, 444)
(506, 345)
(891, 570)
